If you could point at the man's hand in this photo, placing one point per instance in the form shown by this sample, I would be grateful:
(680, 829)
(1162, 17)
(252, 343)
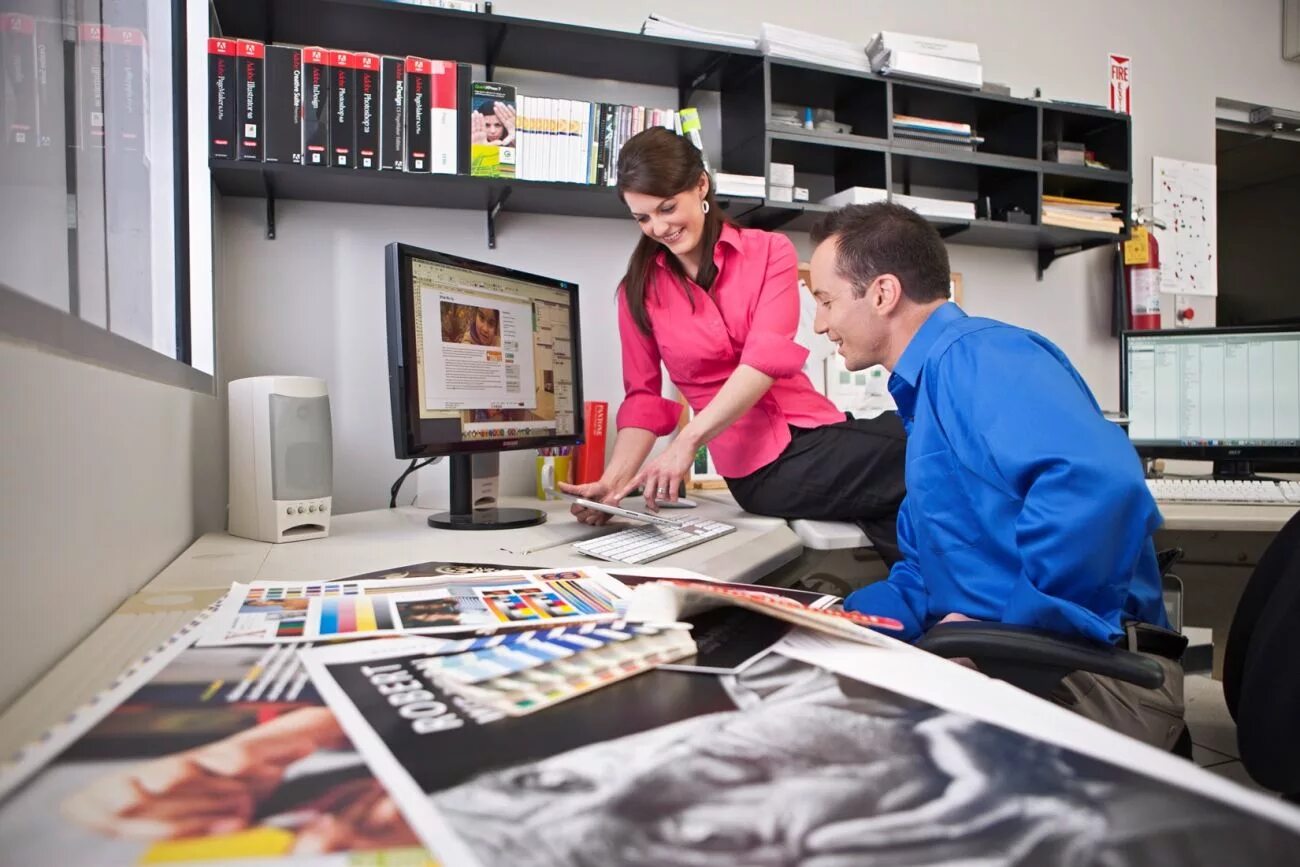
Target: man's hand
(954, 617)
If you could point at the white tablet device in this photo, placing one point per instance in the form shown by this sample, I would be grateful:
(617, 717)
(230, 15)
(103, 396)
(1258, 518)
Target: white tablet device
(645, 517)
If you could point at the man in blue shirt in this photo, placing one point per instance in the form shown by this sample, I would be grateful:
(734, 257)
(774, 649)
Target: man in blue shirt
(1024, 504)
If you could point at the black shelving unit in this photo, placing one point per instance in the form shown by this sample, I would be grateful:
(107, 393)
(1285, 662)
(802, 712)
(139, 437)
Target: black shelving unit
(1006, 174)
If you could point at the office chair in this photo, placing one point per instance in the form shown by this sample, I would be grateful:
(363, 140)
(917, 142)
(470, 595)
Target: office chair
(1261, 667)
(1036, 660)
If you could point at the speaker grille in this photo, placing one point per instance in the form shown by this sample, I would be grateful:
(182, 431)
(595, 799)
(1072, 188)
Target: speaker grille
(302, 453)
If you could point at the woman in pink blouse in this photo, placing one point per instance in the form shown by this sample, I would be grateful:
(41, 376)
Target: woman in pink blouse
(718, 305)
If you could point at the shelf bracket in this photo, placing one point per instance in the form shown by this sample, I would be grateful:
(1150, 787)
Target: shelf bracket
(494, 207)
(494, 50)
(1048, 255)
(686, 88)
(270, 207)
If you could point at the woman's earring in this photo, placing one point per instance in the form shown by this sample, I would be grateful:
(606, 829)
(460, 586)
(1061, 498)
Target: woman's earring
(704, 205)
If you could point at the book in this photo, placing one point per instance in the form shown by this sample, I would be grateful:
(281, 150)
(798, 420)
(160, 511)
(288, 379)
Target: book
(282, 105)
(492, 132)
(221, 92)
(1090, 224)
(315, 107)
(367, 115)
(342, 94)
(589, 459)
(250, 73)
(392, 113)
(18, 79)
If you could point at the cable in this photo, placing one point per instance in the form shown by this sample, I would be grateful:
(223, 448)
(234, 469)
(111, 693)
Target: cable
(416, 464)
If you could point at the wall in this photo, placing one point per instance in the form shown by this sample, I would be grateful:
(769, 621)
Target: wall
(106, 478)
(311, 301)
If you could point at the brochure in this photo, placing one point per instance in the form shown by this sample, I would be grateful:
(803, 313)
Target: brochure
(268, 612)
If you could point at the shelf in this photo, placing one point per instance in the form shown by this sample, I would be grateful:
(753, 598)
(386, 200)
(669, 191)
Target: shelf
(1087, 173)
(973, 158)
(386, 27)
(826, 139)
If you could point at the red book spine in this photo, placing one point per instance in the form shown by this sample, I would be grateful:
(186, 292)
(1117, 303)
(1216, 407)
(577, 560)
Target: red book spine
(589, 465)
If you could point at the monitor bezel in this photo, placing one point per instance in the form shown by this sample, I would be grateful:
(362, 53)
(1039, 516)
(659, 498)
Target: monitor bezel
(1199, 452)
(403, 384)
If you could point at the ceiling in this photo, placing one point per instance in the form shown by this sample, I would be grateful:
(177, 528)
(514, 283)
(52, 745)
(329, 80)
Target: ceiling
(1246, 159)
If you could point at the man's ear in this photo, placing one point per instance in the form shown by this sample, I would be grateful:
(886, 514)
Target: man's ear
(888, 294)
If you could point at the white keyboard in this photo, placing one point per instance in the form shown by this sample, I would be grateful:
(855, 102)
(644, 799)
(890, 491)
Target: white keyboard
(1250, 491)
(650, 542)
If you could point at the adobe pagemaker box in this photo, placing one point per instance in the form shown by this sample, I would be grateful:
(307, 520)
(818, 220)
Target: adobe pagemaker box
(221, 99)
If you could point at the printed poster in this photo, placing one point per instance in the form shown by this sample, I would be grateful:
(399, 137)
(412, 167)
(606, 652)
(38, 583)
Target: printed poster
(1186, 201)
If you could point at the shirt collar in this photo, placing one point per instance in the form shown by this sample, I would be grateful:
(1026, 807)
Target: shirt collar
(729, 236)
(907, 372)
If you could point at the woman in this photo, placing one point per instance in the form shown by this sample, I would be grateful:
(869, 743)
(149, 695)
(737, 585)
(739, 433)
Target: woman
(718, 305)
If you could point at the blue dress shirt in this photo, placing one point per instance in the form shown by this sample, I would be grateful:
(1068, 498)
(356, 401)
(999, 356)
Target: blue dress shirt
(1024, 504)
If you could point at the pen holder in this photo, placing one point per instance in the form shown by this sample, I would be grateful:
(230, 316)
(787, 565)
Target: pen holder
(551, 469)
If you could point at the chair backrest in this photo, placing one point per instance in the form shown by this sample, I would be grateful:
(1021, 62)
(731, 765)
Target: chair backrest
(1261, 666)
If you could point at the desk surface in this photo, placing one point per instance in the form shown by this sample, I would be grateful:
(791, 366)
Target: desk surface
(1225, 517)
(358, 543)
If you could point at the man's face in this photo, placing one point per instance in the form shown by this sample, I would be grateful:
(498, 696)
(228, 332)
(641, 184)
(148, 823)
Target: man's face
(851, 323)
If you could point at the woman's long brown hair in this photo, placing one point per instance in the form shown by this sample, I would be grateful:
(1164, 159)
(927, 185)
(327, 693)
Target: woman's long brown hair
(658, 162)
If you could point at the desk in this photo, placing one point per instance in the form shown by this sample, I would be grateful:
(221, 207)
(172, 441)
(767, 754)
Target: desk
(1225, 517)
(359, 542)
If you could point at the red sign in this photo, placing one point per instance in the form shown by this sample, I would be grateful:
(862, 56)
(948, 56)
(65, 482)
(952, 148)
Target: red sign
(1121, 96)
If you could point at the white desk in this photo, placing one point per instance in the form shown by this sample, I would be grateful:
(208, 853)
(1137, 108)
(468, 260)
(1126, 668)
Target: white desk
(1225, 517)
(358, 543)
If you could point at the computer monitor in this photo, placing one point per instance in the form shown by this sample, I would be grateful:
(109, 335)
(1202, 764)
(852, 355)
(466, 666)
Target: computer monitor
(1231, 395)
(481, 358)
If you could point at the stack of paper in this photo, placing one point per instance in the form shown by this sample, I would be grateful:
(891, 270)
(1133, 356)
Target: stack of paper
(944, 209)
(924, 132)
(801, 45)
(1086, 214)
(752, 186)
(658, 25)
(926, 58)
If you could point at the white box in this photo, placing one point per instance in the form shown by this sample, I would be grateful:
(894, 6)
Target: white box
(781, 175)
(780, 194)
(856, 196)
(801, 194)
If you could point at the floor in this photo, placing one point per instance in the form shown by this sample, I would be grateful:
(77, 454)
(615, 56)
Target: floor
(1214, 735)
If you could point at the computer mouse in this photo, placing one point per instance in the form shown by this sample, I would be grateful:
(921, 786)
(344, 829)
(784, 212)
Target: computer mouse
(681, 503)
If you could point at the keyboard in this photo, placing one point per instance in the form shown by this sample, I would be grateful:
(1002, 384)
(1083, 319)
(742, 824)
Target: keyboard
(1250, 491)
(650, 542)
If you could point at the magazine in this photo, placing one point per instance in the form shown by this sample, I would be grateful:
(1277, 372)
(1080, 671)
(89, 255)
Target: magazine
(201, 756)
(269, 612)
(786, 763)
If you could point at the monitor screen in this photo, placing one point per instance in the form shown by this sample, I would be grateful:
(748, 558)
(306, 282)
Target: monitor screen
(481, 357)
(1212, 392)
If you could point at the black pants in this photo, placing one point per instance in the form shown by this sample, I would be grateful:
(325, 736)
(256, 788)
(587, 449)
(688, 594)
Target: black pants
(850, 471)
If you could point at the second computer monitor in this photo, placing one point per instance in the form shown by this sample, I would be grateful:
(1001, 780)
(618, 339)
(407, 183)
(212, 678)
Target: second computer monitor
(1227, 394)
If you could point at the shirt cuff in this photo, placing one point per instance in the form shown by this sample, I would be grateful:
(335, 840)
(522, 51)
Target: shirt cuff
(659, 415)
(774, 354)
(883, 600)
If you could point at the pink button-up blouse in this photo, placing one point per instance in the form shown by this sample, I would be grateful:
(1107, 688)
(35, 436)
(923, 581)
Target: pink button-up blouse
(749, 317)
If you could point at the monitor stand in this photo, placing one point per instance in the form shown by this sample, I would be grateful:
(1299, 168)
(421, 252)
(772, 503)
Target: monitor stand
(1236, 470)
(463, 516)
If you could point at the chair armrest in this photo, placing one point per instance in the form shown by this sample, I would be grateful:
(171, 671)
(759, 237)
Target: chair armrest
(999, 648)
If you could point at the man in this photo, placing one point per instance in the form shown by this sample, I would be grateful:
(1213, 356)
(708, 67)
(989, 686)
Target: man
(1024, 505)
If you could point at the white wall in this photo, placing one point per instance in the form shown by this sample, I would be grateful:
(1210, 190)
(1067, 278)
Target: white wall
(106, 477)
(312, 301)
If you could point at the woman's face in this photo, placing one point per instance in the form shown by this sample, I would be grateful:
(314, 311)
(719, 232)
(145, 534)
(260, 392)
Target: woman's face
(676, 222)
(493, 127)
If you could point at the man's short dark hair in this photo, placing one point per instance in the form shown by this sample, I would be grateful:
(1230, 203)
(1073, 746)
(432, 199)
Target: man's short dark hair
(885, 238)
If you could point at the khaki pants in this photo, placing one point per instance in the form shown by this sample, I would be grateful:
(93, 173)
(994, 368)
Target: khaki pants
(1153, 716)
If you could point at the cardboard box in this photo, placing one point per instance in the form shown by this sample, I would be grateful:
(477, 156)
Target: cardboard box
(221, 91)
(343, 96)
(282, 105)
(251, 75)
(367, 110)
(315, 107)
(392, 113)
(780, 194)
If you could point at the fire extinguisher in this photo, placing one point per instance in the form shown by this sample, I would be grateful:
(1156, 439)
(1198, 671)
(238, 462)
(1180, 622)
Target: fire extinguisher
(1142, 276)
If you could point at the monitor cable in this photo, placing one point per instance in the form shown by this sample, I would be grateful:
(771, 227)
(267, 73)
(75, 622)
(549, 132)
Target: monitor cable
(416, 464)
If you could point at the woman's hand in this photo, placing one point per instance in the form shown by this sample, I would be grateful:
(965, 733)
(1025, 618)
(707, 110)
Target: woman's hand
(660, 478)
(477, 131)
(601, 491)
(506, 114)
